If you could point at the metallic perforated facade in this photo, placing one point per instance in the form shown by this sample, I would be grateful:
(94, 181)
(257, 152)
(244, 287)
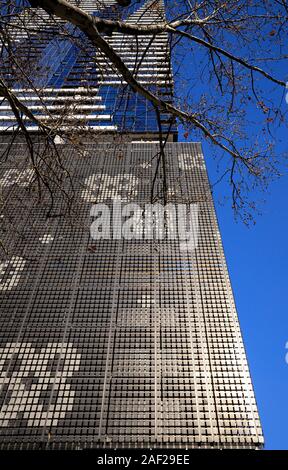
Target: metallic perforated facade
(120, 342)
(116, 342)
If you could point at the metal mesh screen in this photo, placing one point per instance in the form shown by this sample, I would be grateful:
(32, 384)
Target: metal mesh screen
(116, 342)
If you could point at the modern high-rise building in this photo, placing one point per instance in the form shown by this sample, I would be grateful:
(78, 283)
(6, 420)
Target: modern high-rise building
(114, 334)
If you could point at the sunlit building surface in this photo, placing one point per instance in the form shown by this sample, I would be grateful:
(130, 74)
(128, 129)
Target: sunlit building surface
(82, 90)
(118, 341)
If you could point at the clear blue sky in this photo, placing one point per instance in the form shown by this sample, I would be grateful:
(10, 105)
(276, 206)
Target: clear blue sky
(257, 259)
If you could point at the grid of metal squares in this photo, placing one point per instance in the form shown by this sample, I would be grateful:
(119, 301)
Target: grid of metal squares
(115, 342)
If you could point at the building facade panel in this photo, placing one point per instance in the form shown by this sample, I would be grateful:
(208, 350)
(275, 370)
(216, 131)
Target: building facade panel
(119, 342)
(81, 90)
